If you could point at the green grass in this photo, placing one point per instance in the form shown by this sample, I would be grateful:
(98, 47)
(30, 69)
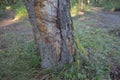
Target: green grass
(102, 49)
(19, 61)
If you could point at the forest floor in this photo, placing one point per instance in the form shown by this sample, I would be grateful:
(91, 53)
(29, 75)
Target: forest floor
(98, 18)
(20, 31)
(102, 19)
(92, 28)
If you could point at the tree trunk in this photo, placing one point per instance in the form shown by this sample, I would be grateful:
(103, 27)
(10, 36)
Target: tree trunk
(52, 27)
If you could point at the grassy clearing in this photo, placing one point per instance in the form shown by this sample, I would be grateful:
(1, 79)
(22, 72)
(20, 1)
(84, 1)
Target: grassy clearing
(19, 61)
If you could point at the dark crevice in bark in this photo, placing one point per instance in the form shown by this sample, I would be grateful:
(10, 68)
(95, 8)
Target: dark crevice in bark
(58, 26)
(63, 23)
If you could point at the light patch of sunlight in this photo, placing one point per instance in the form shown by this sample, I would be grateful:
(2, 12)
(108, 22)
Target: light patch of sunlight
(21, 13)
(74, 11)
(79, 10)
(8, 8)
(5, 23)
(88, 8)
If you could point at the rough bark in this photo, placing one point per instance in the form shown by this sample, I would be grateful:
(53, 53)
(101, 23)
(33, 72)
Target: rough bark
(53, 31)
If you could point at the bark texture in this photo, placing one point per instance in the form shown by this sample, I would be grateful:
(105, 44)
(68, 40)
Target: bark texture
(53, 31)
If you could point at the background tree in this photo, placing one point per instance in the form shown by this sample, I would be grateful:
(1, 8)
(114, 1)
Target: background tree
(52, 26)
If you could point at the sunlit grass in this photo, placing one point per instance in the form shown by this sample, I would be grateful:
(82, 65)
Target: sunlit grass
(21, 12)
(74, 11)
(8, 8)
(78, 10)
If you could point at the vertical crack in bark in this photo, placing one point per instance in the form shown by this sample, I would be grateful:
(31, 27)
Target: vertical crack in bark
(58, 26)
(62, 24)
